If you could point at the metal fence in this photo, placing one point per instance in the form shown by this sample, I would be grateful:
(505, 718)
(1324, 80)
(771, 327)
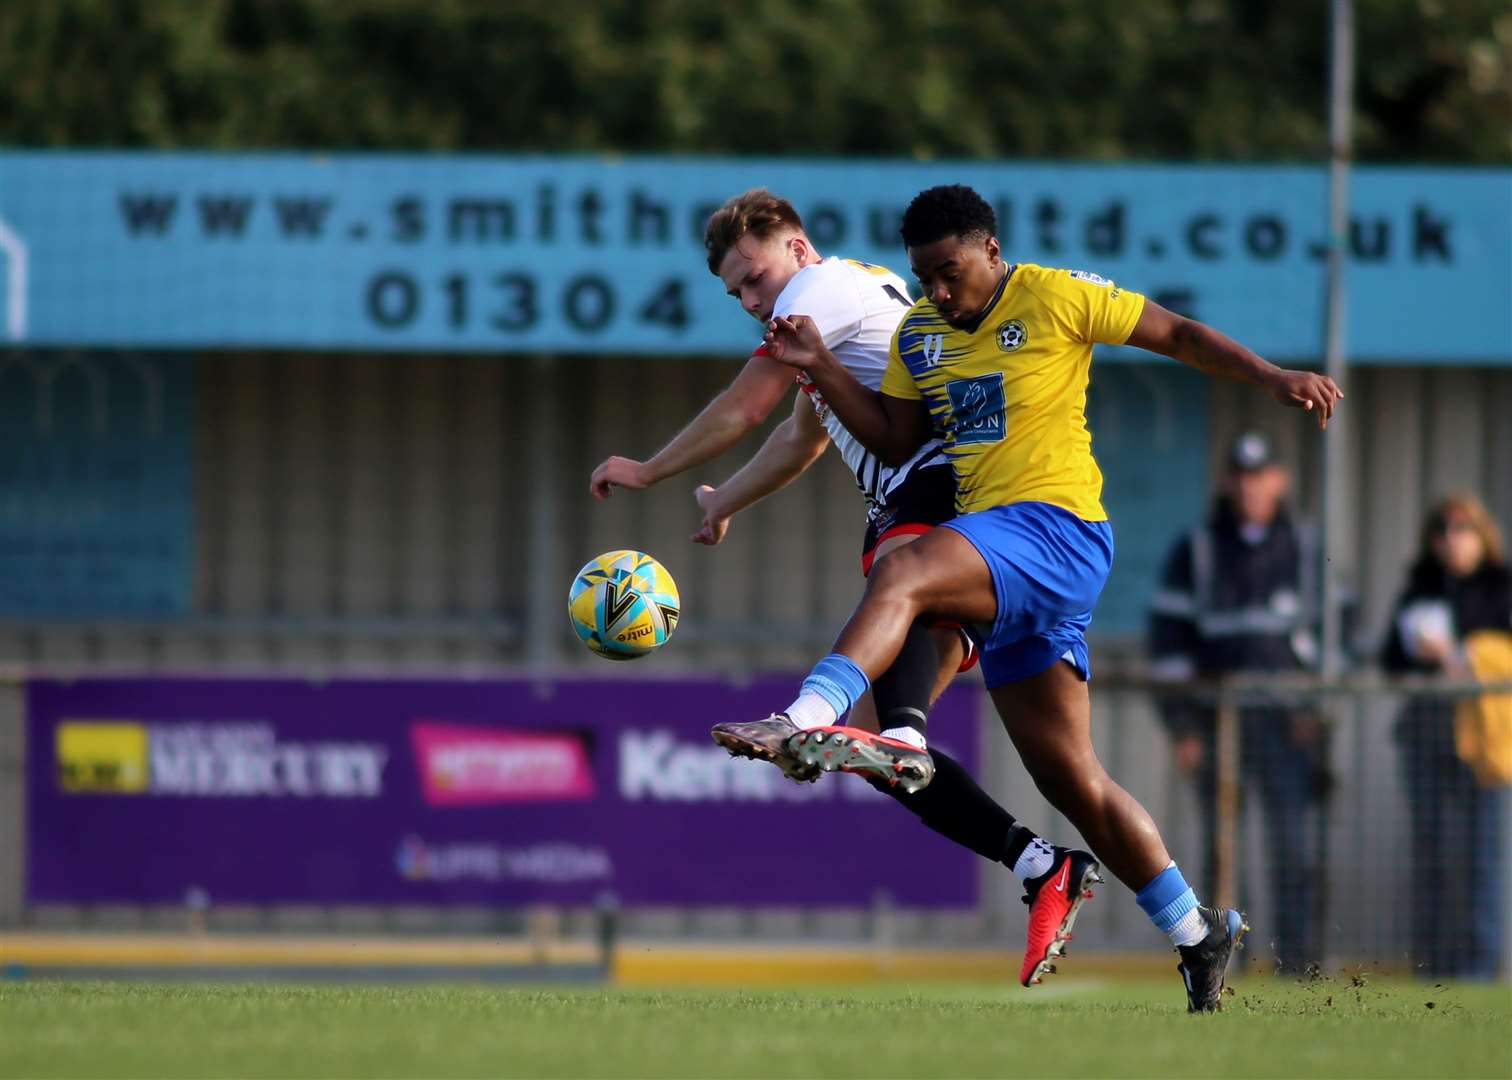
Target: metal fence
(1339, 815)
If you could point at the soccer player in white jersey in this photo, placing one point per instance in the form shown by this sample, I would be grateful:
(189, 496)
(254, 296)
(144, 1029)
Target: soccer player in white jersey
(758, 248)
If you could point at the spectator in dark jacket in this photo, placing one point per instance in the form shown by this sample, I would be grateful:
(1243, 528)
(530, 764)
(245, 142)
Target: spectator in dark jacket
(1235, 598)
(1459, 585)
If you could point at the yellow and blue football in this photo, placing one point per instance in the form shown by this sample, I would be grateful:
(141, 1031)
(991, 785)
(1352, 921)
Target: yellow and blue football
(623, 605)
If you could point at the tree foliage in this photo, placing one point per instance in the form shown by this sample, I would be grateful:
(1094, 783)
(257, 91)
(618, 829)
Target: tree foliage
(1101, 79)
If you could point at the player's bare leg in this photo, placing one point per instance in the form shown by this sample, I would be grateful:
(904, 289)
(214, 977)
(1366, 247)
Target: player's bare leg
(951, 647)
(938, 574)
(767, 739)
(874, 747)
(927, 662)
(1049, 719)
(944, 574)
(1056, 880)
(863, 714)
(950, 644)
(934, 569)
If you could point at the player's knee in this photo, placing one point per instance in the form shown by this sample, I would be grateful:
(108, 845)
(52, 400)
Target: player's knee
(897, 575)
(1066, 775)
(1079, 798)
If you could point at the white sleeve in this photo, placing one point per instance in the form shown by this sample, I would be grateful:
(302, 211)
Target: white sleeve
(831, 301)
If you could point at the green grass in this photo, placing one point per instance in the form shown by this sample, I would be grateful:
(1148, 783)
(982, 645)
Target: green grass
(1067, 1028)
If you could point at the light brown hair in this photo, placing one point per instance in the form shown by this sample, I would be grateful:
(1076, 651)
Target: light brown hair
(757, 213)
(1467, 505)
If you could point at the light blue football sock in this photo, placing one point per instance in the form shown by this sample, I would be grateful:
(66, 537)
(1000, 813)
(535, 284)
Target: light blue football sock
(1172, 906)
(839, 681)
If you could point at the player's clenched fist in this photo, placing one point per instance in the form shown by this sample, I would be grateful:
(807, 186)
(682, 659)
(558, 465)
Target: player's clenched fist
(715, 522)
(794, 340)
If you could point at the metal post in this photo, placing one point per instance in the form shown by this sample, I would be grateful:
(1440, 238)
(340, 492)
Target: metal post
(13, 817)
(1336, 364)
(606, 916)
(546, 595)
(1341, 104)
(1226, 800)
(884, 931)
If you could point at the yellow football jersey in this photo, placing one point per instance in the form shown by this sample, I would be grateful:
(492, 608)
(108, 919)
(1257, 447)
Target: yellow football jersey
(1010, 394)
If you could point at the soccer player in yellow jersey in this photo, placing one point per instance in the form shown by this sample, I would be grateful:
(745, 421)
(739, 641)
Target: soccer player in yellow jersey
(997, 358)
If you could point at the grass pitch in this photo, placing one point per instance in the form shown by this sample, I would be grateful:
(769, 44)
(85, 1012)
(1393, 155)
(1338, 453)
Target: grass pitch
(1067, 1028)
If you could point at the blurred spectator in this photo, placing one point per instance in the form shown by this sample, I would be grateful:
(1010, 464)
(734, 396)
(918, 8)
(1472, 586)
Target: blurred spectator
(1453, 619)
(1234, 598)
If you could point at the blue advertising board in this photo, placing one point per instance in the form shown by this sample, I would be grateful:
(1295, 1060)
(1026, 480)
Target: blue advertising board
(604, 255)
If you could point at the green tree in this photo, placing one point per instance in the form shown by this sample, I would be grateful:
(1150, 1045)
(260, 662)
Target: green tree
(1223, 80)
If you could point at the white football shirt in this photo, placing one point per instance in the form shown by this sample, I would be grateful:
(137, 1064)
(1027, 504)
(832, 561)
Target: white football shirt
(856, 306)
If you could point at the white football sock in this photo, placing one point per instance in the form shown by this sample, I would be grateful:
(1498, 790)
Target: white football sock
(1036, 859)
(811, 711)
(1189, 929)
(912, 736)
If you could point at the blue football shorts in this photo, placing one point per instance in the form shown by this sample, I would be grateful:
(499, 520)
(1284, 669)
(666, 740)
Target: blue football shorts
(1048, 568)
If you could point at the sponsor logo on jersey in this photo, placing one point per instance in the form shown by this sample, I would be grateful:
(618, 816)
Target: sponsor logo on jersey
(882, 518)
(978, 408)
(1089, 277)
(934, 345)
(1012, 336)
(466, 765)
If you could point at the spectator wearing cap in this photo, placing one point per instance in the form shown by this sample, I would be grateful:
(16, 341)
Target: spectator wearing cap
(1235, 597)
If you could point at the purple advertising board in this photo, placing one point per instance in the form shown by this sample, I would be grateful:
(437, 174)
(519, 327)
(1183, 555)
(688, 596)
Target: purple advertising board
(455, 792)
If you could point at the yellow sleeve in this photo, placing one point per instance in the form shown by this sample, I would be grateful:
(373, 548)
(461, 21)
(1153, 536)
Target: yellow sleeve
(897, 380)
(1095, 309)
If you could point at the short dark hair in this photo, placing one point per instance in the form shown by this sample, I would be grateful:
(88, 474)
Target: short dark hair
(948, 210)
(757, 212)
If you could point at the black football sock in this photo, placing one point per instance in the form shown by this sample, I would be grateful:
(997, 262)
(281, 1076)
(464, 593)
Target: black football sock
(956, 808)
(902, 691)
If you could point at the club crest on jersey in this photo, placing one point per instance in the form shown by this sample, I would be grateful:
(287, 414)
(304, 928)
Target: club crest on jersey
(1011, 336)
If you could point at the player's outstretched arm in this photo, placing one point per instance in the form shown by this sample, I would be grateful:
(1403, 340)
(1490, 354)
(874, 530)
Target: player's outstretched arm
(1206, 349)
(741, 406)
(793, 446)
(889, 427)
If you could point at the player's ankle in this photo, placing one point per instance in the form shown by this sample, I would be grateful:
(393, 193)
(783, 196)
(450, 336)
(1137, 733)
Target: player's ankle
(1035, 861)
(910, 735)
(811, 710)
